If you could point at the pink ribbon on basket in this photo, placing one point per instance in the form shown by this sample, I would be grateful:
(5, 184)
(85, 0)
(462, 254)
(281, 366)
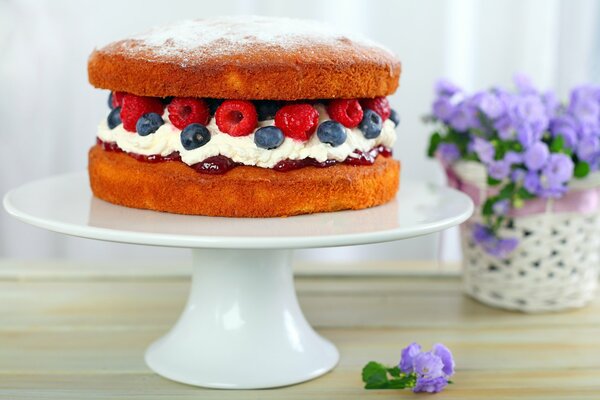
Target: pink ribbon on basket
(583, 201)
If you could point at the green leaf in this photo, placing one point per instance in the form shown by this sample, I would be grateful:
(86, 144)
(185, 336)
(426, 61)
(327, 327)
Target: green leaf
(558, 144)
(434, 142)
(394, 371)
(488, 206)
(524, 194)
(374, 375)
(507, 191)
(493, 182)
(582, 169)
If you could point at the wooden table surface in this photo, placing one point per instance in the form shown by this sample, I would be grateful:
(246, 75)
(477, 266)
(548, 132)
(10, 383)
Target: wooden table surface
(72, 331)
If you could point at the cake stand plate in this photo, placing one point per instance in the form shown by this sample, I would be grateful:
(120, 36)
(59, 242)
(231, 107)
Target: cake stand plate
(242, 327)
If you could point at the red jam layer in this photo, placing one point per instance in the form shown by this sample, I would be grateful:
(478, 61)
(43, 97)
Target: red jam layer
(221, 164)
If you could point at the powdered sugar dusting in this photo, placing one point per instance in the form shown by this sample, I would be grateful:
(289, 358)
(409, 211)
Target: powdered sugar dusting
(225, 36)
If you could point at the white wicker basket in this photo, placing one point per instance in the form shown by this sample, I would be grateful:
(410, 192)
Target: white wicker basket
(555, 266)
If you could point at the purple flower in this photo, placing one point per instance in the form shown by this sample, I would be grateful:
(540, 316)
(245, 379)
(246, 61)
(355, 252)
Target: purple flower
(443, 109)
(429, 385)
(528, 114)
(489, 104)
(501, 207)
(513, 157)
(484, 149)
(517, 175)
(536, 156)
(524, 83)
(503, 247)
(464, 117)
(445, 355)
(407, 358)
(550, 100)
(444, 87)
(498, 169)
(428, 365)
(585, 105)
(588, 149)
(566, 126)
(505, 129)
(485, 237)
(558, 170)
(448, 152)
(531, 182)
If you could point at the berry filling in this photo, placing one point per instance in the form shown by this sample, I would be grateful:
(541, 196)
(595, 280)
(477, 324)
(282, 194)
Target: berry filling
(287, 131)
(218, 165)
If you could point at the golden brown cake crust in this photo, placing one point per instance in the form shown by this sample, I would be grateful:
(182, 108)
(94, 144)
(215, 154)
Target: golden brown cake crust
(244, 191)
(247, 58)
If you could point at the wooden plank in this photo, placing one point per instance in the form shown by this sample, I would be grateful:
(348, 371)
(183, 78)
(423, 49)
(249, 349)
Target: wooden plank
(114, 350)
(21, 270)
(340, 384)
(334, 302)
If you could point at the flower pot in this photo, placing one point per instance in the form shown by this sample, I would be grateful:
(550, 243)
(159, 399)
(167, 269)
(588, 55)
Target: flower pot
(554, 267)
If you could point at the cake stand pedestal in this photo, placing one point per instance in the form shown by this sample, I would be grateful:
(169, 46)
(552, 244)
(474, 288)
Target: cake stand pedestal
(242, 327)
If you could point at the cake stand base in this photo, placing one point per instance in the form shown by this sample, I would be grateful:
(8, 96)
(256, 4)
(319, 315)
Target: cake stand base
(242, 327)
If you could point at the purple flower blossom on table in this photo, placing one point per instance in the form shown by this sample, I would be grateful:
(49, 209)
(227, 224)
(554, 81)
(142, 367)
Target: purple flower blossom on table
(536, 156)
(448, 152)
(483, 148)
(407, 359)
(445, 355)
(444, 87)
(432, 369)
(531, 182)
(428, 385)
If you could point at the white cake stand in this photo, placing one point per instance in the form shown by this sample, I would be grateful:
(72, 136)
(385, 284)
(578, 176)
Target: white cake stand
(242, 326)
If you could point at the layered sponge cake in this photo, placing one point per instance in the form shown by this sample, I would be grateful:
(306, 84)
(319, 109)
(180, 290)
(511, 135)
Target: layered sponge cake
(245, 117)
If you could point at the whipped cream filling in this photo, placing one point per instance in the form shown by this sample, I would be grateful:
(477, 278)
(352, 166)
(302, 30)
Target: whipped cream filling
(166, 140)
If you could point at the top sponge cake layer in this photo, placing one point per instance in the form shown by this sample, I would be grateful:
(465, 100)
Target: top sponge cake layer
(246, 58)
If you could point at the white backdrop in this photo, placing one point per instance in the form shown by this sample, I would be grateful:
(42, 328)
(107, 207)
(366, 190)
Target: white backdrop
(49, 113)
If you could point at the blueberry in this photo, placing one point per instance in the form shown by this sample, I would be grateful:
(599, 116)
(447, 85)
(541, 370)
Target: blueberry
(114, 118)
(395, 117)
(213, 104)
(148, 123)
(370, 124)
(194, 136)
(266, 109)
(110, 103)
(268, 137)
(332, 132)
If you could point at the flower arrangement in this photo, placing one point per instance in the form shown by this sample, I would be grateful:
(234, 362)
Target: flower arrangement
(423, 371)
(531, 145)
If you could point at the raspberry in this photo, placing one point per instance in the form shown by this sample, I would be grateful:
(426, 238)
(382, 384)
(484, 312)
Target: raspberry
(347, 112)
(133, 107)
(188, 110)
(379, 104)
(236, 117)
(116, 99)
(297, 121)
